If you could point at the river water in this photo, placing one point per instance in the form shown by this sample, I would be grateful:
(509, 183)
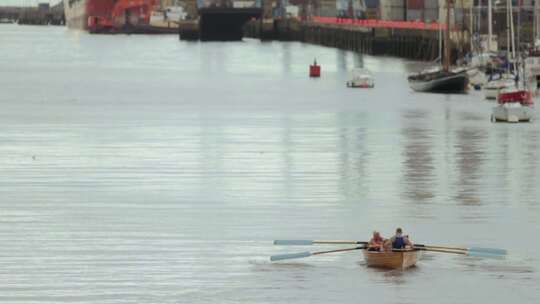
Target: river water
(144, 169)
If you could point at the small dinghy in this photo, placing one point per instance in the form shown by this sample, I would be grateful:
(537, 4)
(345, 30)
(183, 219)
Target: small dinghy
(361, 78)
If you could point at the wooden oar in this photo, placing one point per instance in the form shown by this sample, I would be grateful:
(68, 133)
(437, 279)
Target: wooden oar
(463, 252)
(472, 251)
(306, 254)
(314, 242)
(493, 251)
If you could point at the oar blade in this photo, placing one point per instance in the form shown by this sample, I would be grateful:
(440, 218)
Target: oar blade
(294, 242)
(288, 256)
(485, 255)
(493, 251)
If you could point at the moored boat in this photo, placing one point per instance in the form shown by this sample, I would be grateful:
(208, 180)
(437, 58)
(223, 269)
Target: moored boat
(444, 79)
(532, 70)
(439, 81)
(361, 78)
(515, 105)
(495, 86)
(123, 16)
(393, 260)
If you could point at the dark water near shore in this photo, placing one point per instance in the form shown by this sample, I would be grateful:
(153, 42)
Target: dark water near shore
(142, 169)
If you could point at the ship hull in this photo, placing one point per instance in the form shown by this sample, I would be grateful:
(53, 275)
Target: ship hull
(117, 16)
(440, 82)
(512, 112)
(76, 14)
(92, 15)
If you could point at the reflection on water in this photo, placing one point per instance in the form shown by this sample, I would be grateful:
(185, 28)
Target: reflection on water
(418, 161)
(353, 144)
(164, 169)
(470, 143)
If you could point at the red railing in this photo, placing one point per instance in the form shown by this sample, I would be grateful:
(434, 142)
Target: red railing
(418, 25)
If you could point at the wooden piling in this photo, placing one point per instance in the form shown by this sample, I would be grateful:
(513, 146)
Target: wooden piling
(411, 44)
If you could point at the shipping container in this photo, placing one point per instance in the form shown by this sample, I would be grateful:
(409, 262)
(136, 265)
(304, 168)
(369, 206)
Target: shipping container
(415, 4)
(399, 3)
(344, 8)
(431, 4)
(461, 17)
(358, 5)
(372, 13)
(342, 5)
(463, 3)
(392, 13)
(372, 4)
(397, 13)
(327, 11)
(393, 3)
(415, 15)
(327, 8)
(431, 15)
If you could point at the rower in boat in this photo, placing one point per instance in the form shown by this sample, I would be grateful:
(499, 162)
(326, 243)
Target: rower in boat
(400, 241)
(376, 242)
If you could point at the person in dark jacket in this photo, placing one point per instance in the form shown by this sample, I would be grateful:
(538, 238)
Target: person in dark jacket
(400, 241)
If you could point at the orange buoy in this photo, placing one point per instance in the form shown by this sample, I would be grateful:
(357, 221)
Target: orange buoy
(315, 69)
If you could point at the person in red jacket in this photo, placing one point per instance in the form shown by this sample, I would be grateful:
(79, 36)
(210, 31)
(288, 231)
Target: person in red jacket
(376, 242)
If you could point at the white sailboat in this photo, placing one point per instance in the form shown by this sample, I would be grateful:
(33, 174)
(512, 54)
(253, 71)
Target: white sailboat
(496, 84)
(515, 103)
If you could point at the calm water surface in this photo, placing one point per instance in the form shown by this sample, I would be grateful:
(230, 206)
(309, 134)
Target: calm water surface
(142, 169)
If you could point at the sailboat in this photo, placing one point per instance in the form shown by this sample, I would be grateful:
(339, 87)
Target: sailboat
(483, 53)
(515, 103)
(441, 79)
(502, 80)
(532, 62)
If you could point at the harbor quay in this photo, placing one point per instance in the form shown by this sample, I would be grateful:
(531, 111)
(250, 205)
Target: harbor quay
(41, 14)
(407, 29)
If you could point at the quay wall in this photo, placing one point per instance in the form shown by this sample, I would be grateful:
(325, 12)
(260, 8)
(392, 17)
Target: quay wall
(404, 43)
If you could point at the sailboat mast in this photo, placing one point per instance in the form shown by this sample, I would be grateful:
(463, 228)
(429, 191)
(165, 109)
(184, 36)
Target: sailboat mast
(518, 27)
(446, 62)
(471, 27)
(440, 42)
(508, 35)
(512, 32)
(537, 21)
(490, 27)
(534, 23)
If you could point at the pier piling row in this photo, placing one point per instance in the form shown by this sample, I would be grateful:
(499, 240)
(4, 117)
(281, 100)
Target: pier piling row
(405, 43)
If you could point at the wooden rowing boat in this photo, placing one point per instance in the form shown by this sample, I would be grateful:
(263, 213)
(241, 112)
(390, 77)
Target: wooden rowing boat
(394, 260)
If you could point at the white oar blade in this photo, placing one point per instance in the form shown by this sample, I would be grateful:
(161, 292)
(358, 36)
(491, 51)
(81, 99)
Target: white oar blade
(485, 255)
(287, 256)
(294, 242)
(494, 251)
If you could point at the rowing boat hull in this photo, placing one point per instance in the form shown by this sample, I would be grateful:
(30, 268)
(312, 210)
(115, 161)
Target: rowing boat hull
(392, 260)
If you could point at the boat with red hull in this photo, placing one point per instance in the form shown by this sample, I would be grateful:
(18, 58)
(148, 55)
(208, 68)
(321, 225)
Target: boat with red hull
(514, 105)
(112, 16)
